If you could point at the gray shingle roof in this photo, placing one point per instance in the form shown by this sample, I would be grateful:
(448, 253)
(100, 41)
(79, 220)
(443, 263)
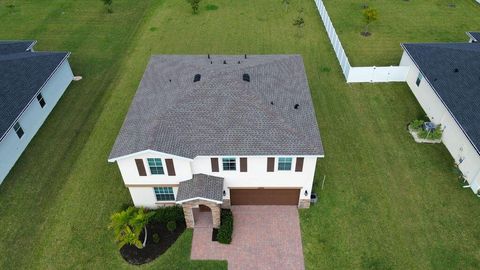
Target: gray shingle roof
(453, 70)
(475, 36)
(22, 75)
(201, 186)
(222, 114)
(15, 46)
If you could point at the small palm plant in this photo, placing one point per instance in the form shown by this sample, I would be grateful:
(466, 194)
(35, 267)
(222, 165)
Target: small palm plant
(127, 226)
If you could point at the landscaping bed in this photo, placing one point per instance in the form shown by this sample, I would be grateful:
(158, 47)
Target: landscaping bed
(153, 248)
(224, 233)
(421, 134)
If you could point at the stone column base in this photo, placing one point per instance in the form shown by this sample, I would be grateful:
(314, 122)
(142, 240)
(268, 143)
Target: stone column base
(189, 218)
(304, 203)
(226, 204)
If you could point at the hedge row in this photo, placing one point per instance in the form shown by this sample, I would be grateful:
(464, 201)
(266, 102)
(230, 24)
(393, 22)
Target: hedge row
(171, 213)
(225, 231)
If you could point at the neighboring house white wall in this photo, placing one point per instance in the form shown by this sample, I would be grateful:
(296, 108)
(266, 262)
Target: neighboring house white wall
(11, 147)
(453, 137)
(141, 187)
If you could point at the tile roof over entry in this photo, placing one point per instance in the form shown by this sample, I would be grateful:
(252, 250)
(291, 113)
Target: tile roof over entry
(22, 75)
(453, 71)
(201, 186)
(222, 113)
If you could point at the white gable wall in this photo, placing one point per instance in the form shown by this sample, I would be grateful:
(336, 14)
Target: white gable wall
(11, 147)
(453, 137)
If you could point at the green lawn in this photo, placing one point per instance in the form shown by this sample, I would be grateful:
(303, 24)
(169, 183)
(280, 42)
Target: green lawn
(400, 21)
(387, 202)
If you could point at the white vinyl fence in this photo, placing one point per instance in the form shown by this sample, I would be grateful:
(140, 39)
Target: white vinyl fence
(358, 74)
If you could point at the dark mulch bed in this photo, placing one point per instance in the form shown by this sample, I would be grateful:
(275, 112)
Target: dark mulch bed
(152, 250)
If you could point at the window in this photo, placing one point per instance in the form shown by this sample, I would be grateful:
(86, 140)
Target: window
(229, 164)
(164, 193)
(419, 79)
(41, 100)
(155, 165)
(18, 129)
(284, 163)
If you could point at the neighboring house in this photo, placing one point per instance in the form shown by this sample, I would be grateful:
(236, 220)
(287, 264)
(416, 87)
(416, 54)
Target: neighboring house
(220, 131)
(474, 36)
(445, 79)
(31, 83)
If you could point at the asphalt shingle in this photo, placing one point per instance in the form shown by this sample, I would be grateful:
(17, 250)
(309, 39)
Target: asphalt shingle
(222, 114)
(22, 75)
(453, 70)
(15, 46)
(475, 36)
(201, 186)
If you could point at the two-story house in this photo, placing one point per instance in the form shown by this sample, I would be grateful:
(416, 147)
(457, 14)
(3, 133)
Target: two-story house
(220, 131)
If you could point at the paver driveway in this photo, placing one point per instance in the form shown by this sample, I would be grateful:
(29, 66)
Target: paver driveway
(264, 237)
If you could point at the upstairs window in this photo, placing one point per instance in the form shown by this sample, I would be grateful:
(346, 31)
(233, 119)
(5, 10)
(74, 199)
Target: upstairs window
(41, 101)
(164, 194)
(284, 163)
(18, 129)
(229, 164)
(419, 79)
(156, 166)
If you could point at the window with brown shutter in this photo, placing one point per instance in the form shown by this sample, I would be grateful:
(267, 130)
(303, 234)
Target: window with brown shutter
(243, 164)
(214, 162)
(299, 164)
(170, 167)
(270, 164)
(140, 167)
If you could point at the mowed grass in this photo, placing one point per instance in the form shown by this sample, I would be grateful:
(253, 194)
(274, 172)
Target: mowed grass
(387, 202)
(400, 21)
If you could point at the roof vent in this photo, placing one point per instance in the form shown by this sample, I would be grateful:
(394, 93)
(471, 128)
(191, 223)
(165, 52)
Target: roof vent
(239, 62)
(224, 62)
(245, 56)
(211, 62)
(455, 70)
(246, 77)
(296, 106)
(197, 78)
(208, 56)
(271, 102)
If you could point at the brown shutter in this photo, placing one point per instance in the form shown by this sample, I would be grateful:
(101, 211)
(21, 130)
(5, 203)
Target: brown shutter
(214, 164)
(243, 164)
(170, 167)
(140, 167)
(270, 164)
(299, 164)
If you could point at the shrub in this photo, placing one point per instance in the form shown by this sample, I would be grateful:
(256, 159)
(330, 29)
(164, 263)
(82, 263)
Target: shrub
(171, 226)
(195, 4)
(432, 135)
(156, 238)
(128, 224)
(225, 231)
(417, 124)
(166, 214)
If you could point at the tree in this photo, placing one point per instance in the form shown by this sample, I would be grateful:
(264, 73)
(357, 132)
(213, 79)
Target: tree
(195, 5)
(286, 3)
(127, 226)
(369, 15)
(299, 22)
(108, 5)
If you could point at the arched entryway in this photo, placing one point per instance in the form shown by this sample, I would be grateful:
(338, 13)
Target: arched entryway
(201, 213)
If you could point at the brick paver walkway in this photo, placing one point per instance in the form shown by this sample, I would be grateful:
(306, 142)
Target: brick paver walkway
(264, 237)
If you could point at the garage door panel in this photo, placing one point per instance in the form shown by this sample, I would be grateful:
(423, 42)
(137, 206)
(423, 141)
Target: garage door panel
(264, 196)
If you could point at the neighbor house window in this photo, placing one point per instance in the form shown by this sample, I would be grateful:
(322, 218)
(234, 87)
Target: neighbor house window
(41, 100)
(229, 164)
(284, 163)
(155, 165)
(419, 79)
(164, 193)
(18, 129)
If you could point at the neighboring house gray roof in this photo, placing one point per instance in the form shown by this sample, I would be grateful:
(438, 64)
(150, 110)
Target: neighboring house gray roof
(15, 46)
(222, 114)
(474, 35)
(22, 75)
(201, 186)
(453, 71)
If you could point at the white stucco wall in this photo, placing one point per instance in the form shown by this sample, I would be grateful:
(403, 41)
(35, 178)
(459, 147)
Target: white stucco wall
(11, 147)
(453, 137)
(141, 187)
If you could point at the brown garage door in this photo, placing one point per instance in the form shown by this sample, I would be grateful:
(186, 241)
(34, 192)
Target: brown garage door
(264, 196)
